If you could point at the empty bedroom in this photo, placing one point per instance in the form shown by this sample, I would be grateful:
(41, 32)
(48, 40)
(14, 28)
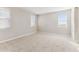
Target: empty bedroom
(39, 29)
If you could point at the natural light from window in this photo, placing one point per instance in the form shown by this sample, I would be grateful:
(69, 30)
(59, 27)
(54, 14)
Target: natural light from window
(4, 18)
(33, 20)
(62, 19)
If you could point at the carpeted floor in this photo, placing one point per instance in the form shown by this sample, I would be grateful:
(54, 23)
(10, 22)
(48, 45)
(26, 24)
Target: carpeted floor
(40, 42)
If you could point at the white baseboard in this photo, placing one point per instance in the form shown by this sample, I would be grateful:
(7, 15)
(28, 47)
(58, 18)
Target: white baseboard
(3, 41)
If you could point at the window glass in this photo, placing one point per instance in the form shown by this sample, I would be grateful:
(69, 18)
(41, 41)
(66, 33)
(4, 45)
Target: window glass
(62, 18)
(4, 18)
(33, 20)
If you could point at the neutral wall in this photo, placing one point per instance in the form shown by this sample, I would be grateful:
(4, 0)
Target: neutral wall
(76, 26)
(49, 23)
(20, 24)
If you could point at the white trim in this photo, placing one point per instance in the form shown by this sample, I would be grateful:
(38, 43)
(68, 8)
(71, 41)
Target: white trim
(3, 41)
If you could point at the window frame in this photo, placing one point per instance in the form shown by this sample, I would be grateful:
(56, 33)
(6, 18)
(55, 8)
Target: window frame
(62, 15)
(33, 20)
(5, 18)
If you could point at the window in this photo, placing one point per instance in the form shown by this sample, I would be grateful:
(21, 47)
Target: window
(4, 18)
(62, 18)
(33, 20)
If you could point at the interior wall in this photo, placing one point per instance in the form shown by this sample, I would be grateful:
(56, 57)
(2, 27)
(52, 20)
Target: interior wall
(20, 24)
(76, 21)
(75, 24)
(49, 23)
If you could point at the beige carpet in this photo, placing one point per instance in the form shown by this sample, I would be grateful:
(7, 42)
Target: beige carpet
(40, 42)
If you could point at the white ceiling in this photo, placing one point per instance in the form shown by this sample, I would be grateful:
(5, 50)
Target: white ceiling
(42, 10)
